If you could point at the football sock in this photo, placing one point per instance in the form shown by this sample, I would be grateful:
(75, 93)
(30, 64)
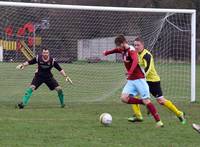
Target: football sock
(172, 108)
(136, 110)
(133, 100)
(26, 97)
(61, 96)
(153, 111)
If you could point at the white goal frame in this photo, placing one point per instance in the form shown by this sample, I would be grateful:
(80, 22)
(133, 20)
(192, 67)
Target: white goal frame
(128, 9)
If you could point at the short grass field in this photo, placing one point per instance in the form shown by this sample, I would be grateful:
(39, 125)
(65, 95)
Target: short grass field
(96, 89)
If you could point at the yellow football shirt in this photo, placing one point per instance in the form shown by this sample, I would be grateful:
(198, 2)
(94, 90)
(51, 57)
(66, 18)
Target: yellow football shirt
(146, 61)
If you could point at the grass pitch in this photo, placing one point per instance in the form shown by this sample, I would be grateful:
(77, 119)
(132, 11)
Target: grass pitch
(96, 89)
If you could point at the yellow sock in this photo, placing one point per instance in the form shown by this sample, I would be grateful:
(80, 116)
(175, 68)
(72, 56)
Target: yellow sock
(172, 107)
(136, 110)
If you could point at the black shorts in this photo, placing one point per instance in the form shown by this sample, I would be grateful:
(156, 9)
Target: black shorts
(50, 82)
(155, 89)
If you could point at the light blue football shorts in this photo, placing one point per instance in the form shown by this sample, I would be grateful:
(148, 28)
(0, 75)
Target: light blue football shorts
(137, 87)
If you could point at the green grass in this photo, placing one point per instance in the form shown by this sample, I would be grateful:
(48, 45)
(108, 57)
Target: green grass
(96, 89)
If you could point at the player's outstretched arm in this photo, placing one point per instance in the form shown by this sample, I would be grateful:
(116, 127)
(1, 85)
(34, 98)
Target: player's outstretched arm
(67, 78)
(23, 65)
(108, 52)
(62, 72)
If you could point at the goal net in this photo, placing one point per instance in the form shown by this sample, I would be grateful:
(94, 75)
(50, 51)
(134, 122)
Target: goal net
(76, 37)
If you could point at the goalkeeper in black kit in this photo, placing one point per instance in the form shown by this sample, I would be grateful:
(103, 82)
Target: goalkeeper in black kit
(43, 75)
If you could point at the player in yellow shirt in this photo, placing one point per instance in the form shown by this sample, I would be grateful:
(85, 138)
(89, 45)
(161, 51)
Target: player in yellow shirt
(146, 62)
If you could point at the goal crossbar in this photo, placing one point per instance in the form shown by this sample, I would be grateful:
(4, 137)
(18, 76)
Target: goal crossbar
(99, 8)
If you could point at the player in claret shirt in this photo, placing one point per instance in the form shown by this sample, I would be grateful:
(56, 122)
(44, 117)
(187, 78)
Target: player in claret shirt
(43, 75)
(136, 83)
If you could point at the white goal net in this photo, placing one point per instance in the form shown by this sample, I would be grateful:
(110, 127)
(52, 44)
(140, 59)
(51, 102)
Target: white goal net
(76, 37)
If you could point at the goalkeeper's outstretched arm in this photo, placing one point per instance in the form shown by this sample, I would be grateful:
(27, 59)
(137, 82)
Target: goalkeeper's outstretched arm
(22, 65)
(62, 72)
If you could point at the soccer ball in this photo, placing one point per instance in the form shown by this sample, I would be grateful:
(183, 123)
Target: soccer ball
(105, 119)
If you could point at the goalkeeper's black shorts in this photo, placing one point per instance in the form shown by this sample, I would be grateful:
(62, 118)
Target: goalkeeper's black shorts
(155, 89)
(49, 81)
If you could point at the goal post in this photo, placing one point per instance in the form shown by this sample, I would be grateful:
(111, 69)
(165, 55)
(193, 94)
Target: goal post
(74, 30)
(193, 56)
